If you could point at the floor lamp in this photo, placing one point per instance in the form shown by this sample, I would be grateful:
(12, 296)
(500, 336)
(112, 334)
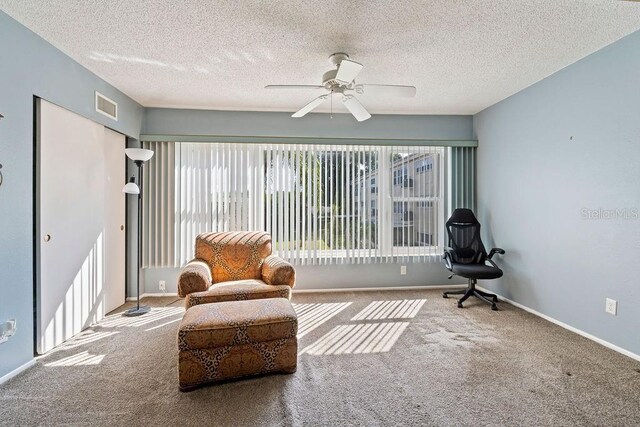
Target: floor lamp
(139, 156)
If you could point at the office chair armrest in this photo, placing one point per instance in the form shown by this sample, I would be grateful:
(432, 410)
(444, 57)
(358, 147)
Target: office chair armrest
(495, 251)
(447, 257)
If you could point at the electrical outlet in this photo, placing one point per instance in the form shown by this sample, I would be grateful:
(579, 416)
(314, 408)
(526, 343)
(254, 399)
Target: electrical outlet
(611, 306)
(162, 286)
(403, 270)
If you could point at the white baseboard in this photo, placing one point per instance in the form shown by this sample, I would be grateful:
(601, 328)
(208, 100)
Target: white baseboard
(309, 291)
(152, 294)
(18, 370)
(305, 291)
(565, 326)
(380, 288)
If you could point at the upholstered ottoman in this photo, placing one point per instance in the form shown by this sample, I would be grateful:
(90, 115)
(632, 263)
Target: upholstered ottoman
(233, 339)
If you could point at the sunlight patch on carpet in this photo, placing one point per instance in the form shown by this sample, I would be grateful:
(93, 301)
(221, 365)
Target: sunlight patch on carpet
(357, 339)
(310, 316)
(162, 325)
(83, 338)
(400, 309)
(156, 314)
(81, 359)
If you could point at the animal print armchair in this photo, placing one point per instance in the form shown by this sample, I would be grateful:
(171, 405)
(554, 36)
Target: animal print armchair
(234, 266)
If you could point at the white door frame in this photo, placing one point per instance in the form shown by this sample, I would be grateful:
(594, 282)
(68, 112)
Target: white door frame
(80, 299)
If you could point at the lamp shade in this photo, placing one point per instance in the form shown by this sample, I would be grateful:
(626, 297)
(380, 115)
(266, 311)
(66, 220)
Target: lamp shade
(138, 154)
(131, 188)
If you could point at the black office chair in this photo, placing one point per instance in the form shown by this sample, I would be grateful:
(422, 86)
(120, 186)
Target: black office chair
(466, 257)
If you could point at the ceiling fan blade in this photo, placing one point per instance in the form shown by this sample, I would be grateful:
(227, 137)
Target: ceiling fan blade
(310, 106)
(314, 87)
(389, 90)
(354, 106)
(347, 71)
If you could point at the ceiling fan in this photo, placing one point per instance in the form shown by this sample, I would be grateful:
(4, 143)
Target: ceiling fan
(341, 80)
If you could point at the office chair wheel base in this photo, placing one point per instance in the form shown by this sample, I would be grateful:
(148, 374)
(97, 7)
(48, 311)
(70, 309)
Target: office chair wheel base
(460, 305)
(495, 299)
(444, 295)
(494, 307)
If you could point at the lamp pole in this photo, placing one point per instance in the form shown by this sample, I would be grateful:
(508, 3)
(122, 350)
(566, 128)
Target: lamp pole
(139, 156)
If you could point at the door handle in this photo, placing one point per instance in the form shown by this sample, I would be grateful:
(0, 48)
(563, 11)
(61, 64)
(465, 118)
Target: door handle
(122, 228)
(47, 237)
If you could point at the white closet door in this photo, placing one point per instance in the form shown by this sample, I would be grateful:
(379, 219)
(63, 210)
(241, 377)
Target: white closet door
(114, 219)
(71, 233)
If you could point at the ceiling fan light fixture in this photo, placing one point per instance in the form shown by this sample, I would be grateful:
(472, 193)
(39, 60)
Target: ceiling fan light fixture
(348, 71)
(341, 80)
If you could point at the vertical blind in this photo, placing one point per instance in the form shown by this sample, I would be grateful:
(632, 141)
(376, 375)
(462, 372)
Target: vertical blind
(322, 204)
(160, 239)
(219, 189)
(462, 178)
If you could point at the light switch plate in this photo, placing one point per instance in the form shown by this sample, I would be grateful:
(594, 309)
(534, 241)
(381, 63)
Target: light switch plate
(403, 270)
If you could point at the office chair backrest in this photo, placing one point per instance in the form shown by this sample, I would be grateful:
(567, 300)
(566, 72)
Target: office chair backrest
(463, 229)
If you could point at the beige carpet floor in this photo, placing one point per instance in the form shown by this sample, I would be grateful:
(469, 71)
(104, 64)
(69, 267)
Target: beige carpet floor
(367, 358)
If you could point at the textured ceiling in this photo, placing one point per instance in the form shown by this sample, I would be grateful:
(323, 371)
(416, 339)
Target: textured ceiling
(462, 56)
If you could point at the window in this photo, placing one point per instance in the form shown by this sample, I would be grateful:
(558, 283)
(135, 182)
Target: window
(400, 208)
(321, 204)
(399, 175)
(424, 165)
(424, 238)
(417, 201)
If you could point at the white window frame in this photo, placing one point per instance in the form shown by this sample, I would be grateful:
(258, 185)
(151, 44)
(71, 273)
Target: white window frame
(211, 171)
(386, 193)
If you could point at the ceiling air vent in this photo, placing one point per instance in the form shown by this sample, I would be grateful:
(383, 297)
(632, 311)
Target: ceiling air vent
(106, 106)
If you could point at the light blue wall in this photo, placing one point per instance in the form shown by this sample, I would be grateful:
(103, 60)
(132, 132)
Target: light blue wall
(249, 123)
(339, 276)
(30, 66)
(161, 121)
(570, 142)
